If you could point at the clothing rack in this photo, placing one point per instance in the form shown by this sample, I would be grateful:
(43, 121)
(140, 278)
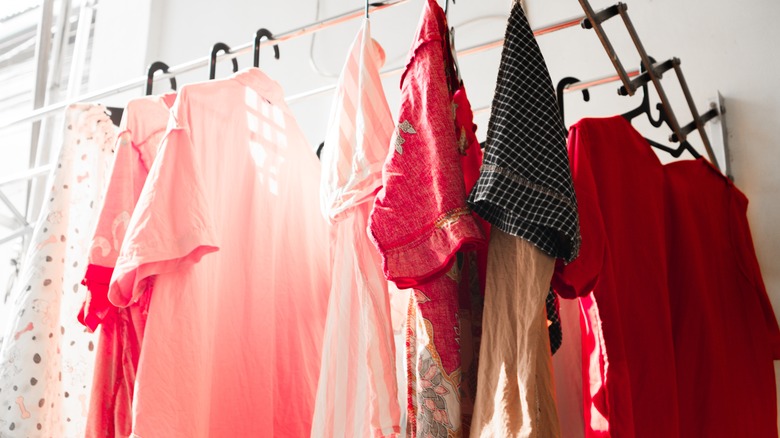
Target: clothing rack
(653, 73)
(140, 82)
(461, 53)
(591, 20)
(245, 48)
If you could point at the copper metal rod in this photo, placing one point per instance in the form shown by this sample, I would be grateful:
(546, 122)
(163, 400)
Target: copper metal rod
(577, 86)
(463, 52)
(198, 63)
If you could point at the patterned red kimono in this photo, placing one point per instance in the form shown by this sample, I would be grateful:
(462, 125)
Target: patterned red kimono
(421, 221)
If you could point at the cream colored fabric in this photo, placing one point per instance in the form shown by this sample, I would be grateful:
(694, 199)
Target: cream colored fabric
(567, 365)
(516, 394)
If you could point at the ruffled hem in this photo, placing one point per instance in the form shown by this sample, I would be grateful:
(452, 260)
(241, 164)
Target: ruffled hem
(432, 252)
(523, 209)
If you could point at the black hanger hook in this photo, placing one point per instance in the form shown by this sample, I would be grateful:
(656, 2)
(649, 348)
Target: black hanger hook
(259, 35)
(559, 89)
(644, 105)
(219, 47)
(447, 6)
(154, 68)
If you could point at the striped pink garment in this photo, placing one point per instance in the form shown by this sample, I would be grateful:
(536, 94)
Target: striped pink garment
(357, 394)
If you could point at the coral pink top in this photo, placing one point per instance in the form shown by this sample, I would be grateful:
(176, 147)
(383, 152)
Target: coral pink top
(121, 333)
(144, 125)
(225, 234)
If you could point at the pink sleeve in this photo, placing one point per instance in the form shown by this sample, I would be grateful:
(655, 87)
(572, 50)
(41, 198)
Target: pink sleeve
(170, 228)
(118, 204)
(579, 277)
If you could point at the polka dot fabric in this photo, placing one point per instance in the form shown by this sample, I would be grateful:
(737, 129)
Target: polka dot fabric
(46, 357)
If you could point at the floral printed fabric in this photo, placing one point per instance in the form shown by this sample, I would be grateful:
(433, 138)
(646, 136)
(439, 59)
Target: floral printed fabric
(421, 222)
(418, 231)
(47, 356)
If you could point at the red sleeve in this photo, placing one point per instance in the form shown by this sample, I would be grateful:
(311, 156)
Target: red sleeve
(579, 277)
(743, 241)
(420, 219)
(171, 227)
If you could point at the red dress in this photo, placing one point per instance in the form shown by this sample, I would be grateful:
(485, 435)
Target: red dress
(678, 332)
(621, 275)
(725, 332)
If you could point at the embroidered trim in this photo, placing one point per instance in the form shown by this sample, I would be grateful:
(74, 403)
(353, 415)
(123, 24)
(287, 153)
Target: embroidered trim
(463, 142)
(527, 183)
(411, 367)
(399, 141)
(407, 127)
(452, 217)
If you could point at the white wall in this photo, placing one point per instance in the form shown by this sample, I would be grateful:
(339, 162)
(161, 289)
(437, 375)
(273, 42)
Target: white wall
(724, 45)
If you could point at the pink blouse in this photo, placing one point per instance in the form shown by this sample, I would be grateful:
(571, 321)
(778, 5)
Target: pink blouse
(225, 235)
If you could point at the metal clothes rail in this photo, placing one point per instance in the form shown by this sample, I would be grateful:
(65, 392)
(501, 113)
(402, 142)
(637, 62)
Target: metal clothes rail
(591, 20)
(246, 48)
(653, 73)
(140, 82)
(565, 24)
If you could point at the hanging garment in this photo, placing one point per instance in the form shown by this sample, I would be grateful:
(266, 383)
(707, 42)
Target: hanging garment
(225, 236)
(471, 264)
(420, 221)
(525, 186)
(725, 332)
(621, 276)
(525, 190)
(47, 357)
(121, 333)
(517, 397)
(357, 394)
(567, 370)
(554, 326)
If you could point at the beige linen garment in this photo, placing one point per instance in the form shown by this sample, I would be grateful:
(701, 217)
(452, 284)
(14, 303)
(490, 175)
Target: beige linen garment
(516, 394)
